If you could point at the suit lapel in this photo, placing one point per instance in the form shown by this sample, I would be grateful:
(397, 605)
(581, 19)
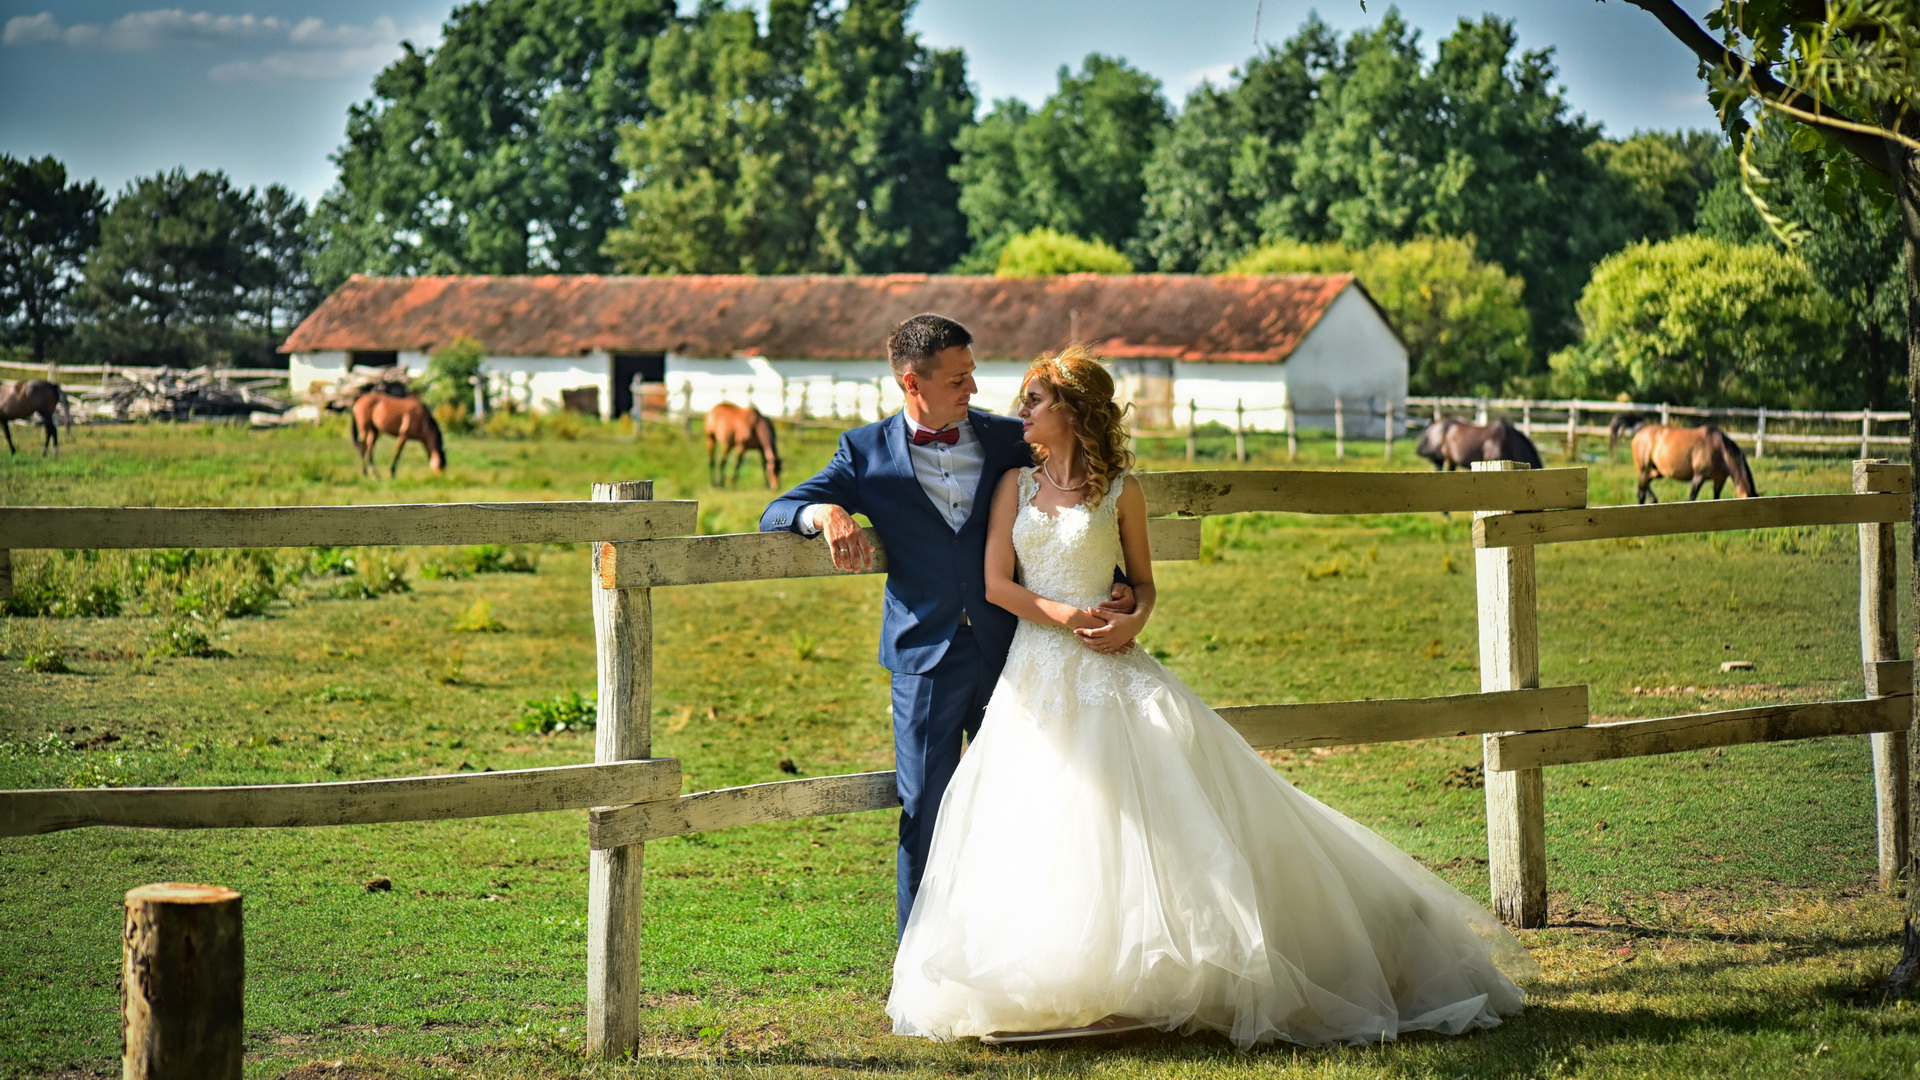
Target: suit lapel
(991, 465)
(895, 435)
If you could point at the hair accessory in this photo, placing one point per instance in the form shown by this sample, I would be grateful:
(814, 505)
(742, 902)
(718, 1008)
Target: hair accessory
(1063, 376)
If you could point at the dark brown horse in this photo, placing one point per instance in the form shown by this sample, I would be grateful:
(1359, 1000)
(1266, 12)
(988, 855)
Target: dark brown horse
(24, 400)
(740, 428)
(1697, 454)
(1451, 443)
(403, 417)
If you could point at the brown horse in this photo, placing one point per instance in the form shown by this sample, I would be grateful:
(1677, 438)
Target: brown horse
(407, 417)
(740, 428)
(24, 400)
(1697, 454)
(1451, 443)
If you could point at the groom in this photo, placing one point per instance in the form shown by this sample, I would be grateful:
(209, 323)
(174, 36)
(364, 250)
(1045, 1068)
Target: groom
(924, 477)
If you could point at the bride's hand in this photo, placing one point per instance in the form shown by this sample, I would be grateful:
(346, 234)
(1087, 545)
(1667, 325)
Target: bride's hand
(1113, 634)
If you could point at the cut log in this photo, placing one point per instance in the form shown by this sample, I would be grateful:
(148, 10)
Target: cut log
(182, 975)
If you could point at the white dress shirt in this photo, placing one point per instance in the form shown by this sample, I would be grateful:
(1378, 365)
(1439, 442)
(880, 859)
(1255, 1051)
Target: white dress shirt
(948, 474)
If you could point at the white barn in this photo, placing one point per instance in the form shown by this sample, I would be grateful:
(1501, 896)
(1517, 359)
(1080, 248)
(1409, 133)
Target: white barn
(815, 345)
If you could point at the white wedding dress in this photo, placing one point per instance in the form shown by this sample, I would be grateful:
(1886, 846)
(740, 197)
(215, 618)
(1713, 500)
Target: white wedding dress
(1111, 847)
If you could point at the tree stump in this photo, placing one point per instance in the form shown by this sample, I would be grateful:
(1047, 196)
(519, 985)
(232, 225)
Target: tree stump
(181, 981)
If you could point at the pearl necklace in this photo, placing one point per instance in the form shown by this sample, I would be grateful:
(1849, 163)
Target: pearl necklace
(1057, 484)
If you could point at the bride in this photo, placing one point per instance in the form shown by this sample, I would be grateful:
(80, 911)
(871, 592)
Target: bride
(1112, 855)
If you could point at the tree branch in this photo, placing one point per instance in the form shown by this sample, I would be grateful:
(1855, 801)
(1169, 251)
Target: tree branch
(1870, 149)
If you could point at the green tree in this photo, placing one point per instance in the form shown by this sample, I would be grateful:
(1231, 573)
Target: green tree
(47, 225)
(493, 153)
(1849, 241)
(279, 283)
(1479, 144)
(1704, 322)
(170, 275)
(451, 372)
(1659, 178)
(1463, 320)
(1074, 165)
(1044, 252)
(822, 144)
(1226, 161)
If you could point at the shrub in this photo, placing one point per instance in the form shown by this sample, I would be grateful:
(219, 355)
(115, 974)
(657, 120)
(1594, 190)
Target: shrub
(1044, 252)
(571, 711)
(479, 619)
(1464, 322)
(451, 370)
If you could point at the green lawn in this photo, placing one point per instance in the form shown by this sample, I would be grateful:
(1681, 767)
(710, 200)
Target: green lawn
(1713, 913)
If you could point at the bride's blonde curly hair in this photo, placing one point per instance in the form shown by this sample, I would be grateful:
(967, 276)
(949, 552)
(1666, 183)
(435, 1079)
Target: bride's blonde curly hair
(1083, 388)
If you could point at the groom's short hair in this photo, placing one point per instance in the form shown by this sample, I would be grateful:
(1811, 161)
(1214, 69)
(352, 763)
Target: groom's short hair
(914, 343)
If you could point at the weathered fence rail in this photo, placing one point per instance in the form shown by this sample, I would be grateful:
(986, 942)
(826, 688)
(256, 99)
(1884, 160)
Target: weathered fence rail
(640, 544)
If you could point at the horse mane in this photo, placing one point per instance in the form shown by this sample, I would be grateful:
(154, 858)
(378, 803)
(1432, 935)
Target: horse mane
(1735, 460)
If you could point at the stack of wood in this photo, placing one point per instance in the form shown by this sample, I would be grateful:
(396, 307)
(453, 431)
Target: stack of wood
(174, 395)
(339, 395)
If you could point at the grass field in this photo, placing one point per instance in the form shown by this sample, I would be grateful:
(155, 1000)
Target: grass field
(1713, 913)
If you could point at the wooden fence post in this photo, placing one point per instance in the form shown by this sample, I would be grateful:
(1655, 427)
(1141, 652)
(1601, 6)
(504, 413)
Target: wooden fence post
(1760, 434)
(1293, 435)
(6, 574)
(1480, 413)
(1339, 428)
(1666, 414)
(623, 641)
(1240, 429)
(1193, 411)
(1387, 453)
(1866, 433)
(1573, 431)
(1526, 418)
(1510, 660)
(1880, 640)
(183, 967)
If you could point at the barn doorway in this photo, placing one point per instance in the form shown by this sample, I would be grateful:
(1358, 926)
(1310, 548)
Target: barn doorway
(1147, 383)
(630, 369)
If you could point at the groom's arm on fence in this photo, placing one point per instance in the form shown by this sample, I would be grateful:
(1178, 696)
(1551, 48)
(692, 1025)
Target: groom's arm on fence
(834, 485)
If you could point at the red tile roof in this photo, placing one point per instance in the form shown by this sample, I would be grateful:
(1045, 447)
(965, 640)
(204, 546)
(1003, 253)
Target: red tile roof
(1188, 317)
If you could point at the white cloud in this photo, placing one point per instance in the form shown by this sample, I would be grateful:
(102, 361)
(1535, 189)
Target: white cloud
(299, 49)
(1218, 74)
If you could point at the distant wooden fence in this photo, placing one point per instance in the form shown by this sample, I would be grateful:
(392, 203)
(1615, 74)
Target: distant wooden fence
(640, 545)
(1565, 418)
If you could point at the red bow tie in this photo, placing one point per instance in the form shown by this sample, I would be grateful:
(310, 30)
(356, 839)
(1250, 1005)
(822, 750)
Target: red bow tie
(950, 436)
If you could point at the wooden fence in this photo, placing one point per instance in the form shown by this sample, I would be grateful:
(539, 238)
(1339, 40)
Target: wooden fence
(1566, 418)
(640, 545)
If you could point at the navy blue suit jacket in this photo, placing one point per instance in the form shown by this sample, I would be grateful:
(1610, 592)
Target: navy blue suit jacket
(934, 573)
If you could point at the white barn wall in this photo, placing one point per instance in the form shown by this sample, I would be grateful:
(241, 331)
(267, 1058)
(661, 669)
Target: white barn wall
(1353, 354)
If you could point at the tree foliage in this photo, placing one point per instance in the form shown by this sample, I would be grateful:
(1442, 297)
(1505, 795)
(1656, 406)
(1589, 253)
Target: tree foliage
(493, 153)
(1044, 252)
(1849, 241)
(1364, 141)
(47, 225)
(1705, 322)
(822, 143)
(1074, 165)
(1463, 320)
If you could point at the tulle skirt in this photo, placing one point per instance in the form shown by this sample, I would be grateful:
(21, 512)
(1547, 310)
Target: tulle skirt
(1125, 853)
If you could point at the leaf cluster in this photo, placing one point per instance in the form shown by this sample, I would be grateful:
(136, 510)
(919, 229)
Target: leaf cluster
(1044, 252)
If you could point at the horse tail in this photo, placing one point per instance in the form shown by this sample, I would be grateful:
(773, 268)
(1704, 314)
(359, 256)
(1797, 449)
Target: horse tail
(1622, 424)
(1736, 462)
(353, 424)
(433, 429)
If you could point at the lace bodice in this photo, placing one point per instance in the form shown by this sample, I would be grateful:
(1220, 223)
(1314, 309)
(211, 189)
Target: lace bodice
(1067, 556)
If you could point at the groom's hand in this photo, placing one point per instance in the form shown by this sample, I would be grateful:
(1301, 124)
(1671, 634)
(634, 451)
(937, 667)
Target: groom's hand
(846, 541)
(1121, 604)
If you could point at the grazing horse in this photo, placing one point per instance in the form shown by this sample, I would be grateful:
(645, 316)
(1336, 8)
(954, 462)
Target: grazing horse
(740, 428)
(23, 400)
(404, 417)
(1451, 443)
(1697, 454)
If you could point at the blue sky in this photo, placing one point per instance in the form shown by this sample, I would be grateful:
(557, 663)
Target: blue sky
(260, 88)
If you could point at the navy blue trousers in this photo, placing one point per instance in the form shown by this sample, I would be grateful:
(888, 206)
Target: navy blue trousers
(933, 714)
